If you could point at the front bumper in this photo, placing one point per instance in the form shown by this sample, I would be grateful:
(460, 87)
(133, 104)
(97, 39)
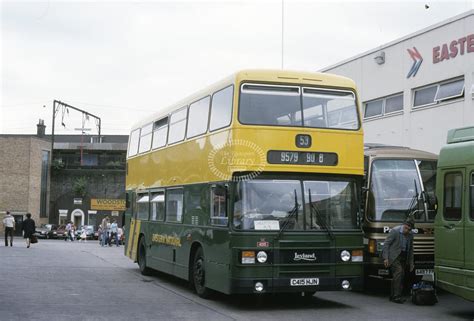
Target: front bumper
(282, 285)
(378, 270)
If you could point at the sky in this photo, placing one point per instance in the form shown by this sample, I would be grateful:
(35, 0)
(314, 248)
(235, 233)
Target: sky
(125, 60)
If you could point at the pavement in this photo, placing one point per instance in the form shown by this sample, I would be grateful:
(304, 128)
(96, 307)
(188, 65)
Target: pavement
(57, 280)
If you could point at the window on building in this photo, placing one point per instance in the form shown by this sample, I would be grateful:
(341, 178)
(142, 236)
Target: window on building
(450, 90)
(219, 205)
(157, 206)
(174, 205)
(440, 92)
(133, 142)
(221, 108)
(44, 184)
(145, 138)
(160, 133)
(177, 126)
(198, 117)
(143, 206)
(373, 108)
(425, 96)
(393, 104)
(90, 160)
(453, 197)
(383, 106)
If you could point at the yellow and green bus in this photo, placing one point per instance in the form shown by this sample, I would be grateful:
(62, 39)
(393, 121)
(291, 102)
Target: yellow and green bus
(454, 223)
(251, 185)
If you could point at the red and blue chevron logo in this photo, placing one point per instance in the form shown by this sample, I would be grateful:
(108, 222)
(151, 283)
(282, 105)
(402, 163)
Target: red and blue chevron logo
(417, 60)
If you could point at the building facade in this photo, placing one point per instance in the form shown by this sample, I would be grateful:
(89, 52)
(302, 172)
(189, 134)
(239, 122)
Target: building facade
(25, 177)
(82, 180)
(413, 90)
(87, 179)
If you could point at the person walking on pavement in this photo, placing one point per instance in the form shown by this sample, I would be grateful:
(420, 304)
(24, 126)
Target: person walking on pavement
(397, 254)
(73, 232)
(105, 231)
(28, 228)
(9, 223)
(114, 233)
(68, 232)
(119, 235)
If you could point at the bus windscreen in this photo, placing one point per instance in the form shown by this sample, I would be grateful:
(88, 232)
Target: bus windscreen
(300, 107)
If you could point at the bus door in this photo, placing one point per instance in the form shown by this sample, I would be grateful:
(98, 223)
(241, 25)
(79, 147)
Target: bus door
(157, 216)
(450, 221)
(132, 238)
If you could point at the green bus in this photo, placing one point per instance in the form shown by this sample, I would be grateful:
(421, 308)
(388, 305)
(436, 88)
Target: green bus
(251, 185)
(454, 223)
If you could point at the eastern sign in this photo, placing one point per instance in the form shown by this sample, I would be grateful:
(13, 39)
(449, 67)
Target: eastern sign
(105, 204)
(454, 48)
(417, 61)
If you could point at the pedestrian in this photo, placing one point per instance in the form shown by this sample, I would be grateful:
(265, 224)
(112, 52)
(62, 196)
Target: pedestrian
(119, 236)
(28, 228)
(9, 223)
(99, 234)
(104, 226)
(73, 232)
(84, 235)
(68, 232)
(114, 233)
(397, 254)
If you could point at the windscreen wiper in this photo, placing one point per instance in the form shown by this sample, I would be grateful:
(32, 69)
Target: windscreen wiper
(313, 207)
(291, 213)
(414, 202)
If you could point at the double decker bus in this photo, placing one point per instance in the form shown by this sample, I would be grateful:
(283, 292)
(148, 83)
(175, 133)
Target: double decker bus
(399, 182)
(251, 185)
(454, 223)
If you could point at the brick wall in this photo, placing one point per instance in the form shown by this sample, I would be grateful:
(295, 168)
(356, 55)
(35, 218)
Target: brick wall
(20, 175)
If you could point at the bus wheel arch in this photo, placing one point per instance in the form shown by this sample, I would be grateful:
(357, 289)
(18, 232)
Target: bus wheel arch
(141, 256)
(192, 252)
(197, 271)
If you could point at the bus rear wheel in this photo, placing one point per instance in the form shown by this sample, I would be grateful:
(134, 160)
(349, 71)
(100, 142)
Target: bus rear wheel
(144, 270)
(199, 275)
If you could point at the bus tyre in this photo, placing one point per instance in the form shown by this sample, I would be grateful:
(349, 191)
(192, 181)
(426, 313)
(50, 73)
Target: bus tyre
(198, 274)
(144, 270)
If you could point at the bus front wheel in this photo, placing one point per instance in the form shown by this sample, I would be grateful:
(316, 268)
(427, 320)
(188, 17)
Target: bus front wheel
(199, 274)
(144, 270)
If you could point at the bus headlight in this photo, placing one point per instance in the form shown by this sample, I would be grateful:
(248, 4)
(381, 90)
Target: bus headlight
(262, 257)
(248, 257)
(259, 287)
(346, 285)
(345, 256)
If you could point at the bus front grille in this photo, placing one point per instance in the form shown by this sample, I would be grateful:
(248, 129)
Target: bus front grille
(303, 271)
(424, 246)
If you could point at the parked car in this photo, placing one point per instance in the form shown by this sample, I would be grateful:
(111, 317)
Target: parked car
(60, 233)
(46, 231)
(90, 230)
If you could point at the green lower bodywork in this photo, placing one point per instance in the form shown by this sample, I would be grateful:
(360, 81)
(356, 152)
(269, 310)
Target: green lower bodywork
(454, 223)
(170, 248)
